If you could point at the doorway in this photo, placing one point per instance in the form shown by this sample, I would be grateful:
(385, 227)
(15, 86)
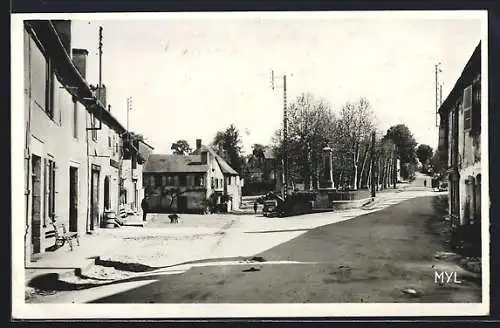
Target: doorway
(73, 199)
(106, 194)
(94, 199)
(182, 203)
(36, 176)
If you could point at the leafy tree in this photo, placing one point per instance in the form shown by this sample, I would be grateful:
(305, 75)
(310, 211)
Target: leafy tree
(227, 144)
(181, 147)
(439, 161)
(405, 145)
(424, 154)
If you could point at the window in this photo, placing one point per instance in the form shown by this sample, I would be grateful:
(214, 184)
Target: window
(109, 141)
(467, 108)
(182, 180)
(163, 180)
(152, 181)
(49, 89)
(198, 181)
(212, 182)
(229, 180)
(157, 181)
(176, 181)
(50, 192)
(170, 181)
(75, 118)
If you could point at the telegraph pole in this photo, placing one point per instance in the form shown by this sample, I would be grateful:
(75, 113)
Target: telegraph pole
(285, 134)
(437, 70)
(100, 63)
(373, 165)
(129, 108)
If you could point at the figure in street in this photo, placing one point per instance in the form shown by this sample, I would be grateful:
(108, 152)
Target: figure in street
(425, 183)
(255, 207)
(145, 208)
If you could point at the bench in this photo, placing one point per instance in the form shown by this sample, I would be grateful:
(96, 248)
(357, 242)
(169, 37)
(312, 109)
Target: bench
(62, 235)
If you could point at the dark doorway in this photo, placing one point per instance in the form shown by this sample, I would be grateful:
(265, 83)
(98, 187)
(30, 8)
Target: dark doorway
(36, 176)
(182, 204)
(106, 194)
(73, 199)
(477, 203)
(94, 200)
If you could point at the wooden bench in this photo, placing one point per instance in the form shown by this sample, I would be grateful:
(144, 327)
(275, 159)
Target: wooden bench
(62, 235)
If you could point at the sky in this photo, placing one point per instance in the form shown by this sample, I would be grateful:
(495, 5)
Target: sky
(190, 77)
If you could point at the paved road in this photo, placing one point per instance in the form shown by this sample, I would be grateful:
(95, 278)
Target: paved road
(372, 258)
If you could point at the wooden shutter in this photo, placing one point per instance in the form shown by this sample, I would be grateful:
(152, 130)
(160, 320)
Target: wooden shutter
(467, 107)
(476, 107)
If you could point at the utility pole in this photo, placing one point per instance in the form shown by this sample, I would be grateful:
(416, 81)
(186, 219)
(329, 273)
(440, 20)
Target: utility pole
(285, 135)
(437, 70)
(129, 108)
(373, 165)
(395, 167)
(100, 64)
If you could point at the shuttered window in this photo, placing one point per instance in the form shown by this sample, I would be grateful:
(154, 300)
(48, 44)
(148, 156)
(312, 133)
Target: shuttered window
(467, 107)
(50, 192)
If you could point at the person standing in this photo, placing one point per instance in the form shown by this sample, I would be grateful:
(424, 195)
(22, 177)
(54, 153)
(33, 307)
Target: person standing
(425, 183)
(255, 207)
(145, 208)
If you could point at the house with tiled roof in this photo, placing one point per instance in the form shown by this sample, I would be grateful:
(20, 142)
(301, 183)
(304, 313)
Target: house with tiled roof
(198, 182)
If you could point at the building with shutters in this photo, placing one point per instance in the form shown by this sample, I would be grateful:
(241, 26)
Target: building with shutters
(73, 145)
(191, 183)
(460, 141)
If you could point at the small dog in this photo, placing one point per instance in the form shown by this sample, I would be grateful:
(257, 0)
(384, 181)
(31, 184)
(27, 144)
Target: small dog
(174, 218)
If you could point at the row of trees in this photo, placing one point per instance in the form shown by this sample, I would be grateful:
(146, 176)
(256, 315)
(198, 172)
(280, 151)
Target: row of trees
(314, 125)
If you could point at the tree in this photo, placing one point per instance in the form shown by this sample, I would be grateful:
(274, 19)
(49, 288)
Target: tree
(309, 121)
(227, 144)
(439, 162)
(352, 139)
(405, 145)
(424, 154)
(181, 147)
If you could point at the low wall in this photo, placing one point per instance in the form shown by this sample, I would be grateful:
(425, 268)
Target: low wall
(333, 199)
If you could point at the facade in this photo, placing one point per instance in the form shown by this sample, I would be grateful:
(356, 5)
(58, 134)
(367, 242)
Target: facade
(460, 140)
(132, 190)
(73, 143)
(189, 183)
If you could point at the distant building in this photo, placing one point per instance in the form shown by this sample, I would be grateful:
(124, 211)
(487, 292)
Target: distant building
(460, 139)
(261, 175)
(188, 183)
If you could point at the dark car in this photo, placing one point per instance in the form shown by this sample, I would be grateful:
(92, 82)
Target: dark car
(270, 207)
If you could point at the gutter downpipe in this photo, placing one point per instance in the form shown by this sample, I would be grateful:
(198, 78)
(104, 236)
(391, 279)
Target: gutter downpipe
(27, 155)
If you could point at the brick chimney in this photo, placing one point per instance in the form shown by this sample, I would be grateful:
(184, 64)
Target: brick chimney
(80, 60)
(198, 144)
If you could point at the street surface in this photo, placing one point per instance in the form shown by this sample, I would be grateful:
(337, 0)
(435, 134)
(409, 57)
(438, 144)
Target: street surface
(385, 253)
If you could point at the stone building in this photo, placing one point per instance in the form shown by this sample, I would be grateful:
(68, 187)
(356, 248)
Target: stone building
(72, 142)
(460, 140)
(179, 183)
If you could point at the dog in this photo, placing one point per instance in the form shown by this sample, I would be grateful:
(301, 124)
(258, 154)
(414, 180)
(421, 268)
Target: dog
(174, 218)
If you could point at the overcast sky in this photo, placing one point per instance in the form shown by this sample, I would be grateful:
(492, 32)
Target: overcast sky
(190, 77)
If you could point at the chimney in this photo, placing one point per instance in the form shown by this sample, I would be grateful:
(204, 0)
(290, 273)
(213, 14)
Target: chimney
(204, 157)
(198, 144)
(80, 60)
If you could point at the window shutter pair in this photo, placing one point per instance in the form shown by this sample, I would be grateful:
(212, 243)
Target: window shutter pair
(476, 107)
